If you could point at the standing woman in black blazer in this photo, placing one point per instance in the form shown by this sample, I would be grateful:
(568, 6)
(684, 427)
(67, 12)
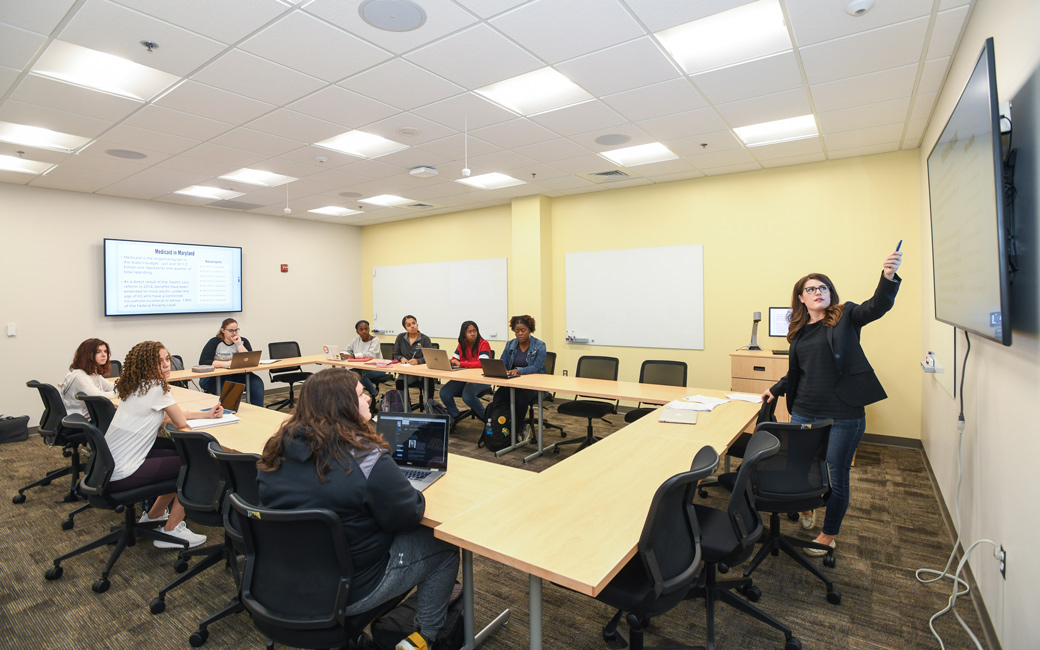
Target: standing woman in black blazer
(829, 377)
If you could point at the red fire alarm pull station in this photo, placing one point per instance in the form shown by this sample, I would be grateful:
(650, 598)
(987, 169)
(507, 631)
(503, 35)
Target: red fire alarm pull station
(285, 268)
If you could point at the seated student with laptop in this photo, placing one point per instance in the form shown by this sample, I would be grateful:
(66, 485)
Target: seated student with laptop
(523, 355)
(365, 346)
(408, 349)
(326, 455)
(471, 349)
(218, 353)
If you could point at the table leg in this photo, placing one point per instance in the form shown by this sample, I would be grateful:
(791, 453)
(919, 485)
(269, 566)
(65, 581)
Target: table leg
(541, 449)
(535, 624)
(512, 426)
(471, 640)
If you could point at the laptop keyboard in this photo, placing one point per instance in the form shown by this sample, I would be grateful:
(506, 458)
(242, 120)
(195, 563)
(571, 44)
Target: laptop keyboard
(415, 474)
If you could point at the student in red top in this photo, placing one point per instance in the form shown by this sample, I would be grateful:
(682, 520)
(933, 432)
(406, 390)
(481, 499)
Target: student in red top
(471, 349)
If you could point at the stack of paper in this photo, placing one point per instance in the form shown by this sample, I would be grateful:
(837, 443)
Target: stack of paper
(706, 403)
(206, 423)
(745, 397)
(679, 405)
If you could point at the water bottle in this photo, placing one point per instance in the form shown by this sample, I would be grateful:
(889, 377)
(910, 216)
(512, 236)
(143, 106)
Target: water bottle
(487, 428)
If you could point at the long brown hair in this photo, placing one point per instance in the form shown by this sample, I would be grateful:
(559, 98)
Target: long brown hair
(223, 326)
(328, 419)
(84, 358)
(800, 313)
(141, 370)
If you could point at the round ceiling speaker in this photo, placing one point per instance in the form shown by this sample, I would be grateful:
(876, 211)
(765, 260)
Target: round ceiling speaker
(859, 7)
(392, 15)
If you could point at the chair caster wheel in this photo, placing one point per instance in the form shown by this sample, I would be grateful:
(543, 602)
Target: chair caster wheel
(157, 606)
(702, 494)
(101, 586)
(834, 597)
(54, 572)
(70, 497)
(751, 592)
(198, 639)
(794, 516)
(609, 636)
(180, 566)
(18, 498)
(67, 524)
(645, 623)
(723, 567)
(793, 644)
(828, 561)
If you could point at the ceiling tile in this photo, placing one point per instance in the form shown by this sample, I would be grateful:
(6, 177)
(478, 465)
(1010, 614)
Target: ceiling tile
(428, 131)
(114, 168)
(179, 51)
(557, 30)
(340, 54)
(227, 21)
(719, 159)
(457, 110)
(893, 111)
(53, 119)
(229, 157)
(765, 76)
(401, 84)
(683, 125)
(216, 104)
(657, 15)
(454, 146)
(622, 67)
(864, 89)
(7, 77)
(296, 126)
(933, 74)
(587, 116)
(635, 136)
(668, 167)
(565, 182)
(245, 74)
(779, 106)
(509, 135)
(551, 150)
(415, 157)
(947, 32)
(342, 107)
(863, 137)
(923, 104)
(490, 57)
(584, 164)
(100, 148)
(131, 137)
(39, 17)
(501, 161)
(152, 183)
(681, 176)
(814, 21)
(20, 46)
(867, 150)
(50, 93)
(666, 98)
(197, 166)
(371, 169)
(442, 18)
(805, 147)
(731, 169)
(794, 160)
(68, 182)
(950, 4)
(879, 49)
(179, 123)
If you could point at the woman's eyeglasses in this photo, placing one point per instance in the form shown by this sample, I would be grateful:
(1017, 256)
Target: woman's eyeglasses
(822, 289)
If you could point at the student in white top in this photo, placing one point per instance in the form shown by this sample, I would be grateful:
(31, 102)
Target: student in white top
(87, 375)
(140, 456)
(365, 346)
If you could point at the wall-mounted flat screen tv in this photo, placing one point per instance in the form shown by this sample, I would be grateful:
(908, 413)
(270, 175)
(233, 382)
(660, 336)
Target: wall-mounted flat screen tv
(969, 257)
(149, 278)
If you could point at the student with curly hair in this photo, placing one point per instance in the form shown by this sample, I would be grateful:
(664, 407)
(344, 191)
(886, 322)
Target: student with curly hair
(140, 456)
(90, 366)
(523, 355)
(326, 455)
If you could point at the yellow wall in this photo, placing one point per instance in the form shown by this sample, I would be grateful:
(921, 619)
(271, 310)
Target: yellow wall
(761, 231)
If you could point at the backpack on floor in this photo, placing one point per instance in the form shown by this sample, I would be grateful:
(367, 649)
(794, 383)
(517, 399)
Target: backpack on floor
(393, 402)
(436, 408)
(496, 435)
(399, 622)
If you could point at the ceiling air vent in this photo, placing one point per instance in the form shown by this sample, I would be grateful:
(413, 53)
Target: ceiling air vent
(613, 173)
(419, 206)
(608, 176)
(234, 205)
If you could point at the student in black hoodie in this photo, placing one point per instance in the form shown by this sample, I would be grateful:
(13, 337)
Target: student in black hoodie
(326, 455)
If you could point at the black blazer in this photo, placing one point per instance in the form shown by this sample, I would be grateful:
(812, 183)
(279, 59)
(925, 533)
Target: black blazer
(857, 384)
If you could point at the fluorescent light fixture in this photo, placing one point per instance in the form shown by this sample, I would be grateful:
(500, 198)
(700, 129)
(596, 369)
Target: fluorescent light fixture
(16, 164)
(257, 177)
(748, 32)
(34, 136)
(108, 73)
(215, 193)
(361, 144)
(794, 128)
(492, 181)
(386, 200)
(535, 92)
(334, 211)
(642, 154)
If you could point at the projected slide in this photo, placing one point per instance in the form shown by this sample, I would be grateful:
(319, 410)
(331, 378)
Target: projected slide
(161, 278)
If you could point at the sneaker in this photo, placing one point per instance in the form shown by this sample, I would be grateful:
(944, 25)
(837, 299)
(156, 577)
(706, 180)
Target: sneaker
(182, 532)
(819, 552)
(808, 520)
(415, 641)
(145, 519)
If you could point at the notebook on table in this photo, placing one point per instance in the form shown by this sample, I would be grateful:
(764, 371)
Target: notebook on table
(418, 445)
(494, 368)
(245, 359)
(437, 359)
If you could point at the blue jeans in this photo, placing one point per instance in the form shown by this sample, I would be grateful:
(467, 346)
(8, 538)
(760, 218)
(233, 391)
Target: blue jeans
(841, 447)
(256, 386)
(368, 377)
(470, 395)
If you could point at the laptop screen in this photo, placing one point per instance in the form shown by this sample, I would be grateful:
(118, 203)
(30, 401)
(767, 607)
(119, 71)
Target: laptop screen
(416, 440)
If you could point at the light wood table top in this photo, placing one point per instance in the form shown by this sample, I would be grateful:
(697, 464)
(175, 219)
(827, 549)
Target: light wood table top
(187, 374)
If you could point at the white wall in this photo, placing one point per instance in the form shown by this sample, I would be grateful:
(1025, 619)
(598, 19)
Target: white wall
(1002, 385)
(52, 285)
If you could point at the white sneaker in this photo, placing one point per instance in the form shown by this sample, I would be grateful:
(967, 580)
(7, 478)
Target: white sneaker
(808, 521)
(145, 519)
(181, 531)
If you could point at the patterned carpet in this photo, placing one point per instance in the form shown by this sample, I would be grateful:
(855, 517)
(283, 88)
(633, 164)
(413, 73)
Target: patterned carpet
(893, 527)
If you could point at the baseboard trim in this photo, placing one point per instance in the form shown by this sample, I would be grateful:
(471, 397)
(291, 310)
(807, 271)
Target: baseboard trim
(989, 632)
(892, 441)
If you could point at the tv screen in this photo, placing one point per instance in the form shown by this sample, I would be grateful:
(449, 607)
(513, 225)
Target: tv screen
(148, 278)
(969, 260)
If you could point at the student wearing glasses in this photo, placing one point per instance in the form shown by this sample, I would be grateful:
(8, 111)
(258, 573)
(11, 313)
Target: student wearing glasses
(218, 353)
(829, 377)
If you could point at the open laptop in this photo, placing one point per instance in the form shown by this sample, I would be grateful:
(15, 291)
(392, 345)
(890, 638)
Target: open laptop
(437, 359)
(418, 444)
(678, 416)
(494, 368)
(245, 359)
(231, 396)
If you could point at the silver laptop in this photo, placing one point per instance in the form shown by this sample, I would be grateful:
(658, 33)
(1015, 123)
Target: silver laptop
(678, 416)
(418, 444)
(494, 368)
(437, 359)
(245, 359)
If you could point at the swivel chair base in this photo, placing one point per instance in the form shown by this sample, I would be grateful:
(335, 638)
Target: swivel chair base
(714, 591)
(774, 542)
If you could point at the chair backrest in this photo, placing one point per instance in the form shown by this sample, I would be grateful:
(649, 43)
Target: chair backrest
(799, 468)
(743, 515)
(115, 367)
(100, 465)
(53, 411)
(100, 408)
(298, 570)
(593, 367)
(387, 349)
(669, 545)
(200, 486)
(665, 373)
(239, 473)
(283, 350)
(550, 363)
(177, 363)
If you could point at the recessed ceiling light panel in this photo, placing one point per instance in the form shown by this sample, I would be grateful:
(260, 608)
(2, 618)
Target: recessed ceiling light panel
(361, 144)
(34, 136)
(795, 128)
(214, 193)
(108, 73)
(258, 177)
(23, 166)
(334, 211)
(386, 200)
(492, 181)
(642, 154)
(535, 92)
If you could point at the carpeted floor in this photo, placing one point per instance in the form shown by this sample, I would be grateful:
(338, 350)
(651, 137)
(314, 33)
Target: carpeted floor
(893, 527)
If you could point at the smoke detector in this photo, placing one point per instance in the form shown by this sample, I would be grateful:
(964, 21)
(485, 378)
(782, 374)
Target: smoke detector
(859, 7)
(424, 172)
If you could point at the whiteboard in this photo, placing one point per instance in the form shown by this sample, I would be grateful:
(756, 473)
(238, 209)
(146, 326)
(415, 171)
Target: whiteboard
(441, 296)
(638, 297)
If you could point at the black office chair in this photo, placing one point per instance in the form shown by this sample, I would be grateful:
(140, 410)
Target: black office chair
(101, 410)
(95, 485)
(114, 368)
(665, 373)
(297, 577)
(728, 538)
(766, 413)
(794, 480)
(590, 367)
(668, 557)
(177, 363)
(405, 383)
(201, 490)
(532, 416)
(291, 375)
(55, 434)
(387, 349)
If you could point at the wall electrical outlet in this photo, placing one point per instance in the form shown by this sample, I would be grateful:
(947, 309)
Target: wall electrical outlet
(1002, 558)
